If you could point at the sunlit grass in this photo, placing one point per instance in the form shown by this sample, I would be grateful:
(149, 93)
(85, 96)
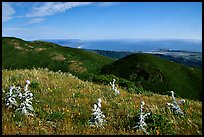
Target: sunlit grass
(63, 105)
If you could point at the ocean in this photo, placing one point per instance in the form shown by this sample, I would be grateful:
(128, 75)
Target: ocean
(131, 45)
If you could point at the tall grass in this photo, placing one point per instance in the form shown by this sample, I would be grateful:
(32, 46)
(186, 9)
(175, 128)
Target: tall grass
(63, 105)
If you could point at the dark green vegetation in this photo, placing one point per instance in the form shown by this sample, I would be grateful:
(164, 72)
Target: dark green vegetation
(187, 58)
(20, 54)
(193, 61)
(158, 75)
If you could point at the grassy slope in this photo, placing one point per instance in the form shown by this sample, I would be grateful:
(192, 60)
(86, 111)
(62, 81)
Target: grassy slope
(20, 54)
(67, 101)
(158, 75)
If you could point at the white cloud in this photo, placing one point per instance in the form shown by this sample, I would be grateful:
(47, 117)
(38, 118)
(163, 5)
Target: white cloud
(43, 9)
(34, 33)
(35, 20)
(51, 8)
(15, 29)
(7, 12)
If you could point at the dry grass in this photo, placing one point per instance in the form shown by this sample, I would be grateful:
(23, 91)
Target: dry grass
(63, 106)
(40, 49)
(59, 57)
(18, 47)
(76, 66)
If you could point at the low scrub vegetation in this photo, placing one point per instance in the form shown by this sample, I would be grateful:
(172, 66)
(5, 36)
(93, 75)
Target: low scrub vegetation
(63, 105)
(158, 75)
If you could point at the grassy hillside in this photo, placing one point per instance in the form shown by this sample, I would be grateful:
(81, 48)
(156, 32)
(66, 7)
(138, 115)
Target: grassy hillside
(158, 75)
(20, 54)
(63, 105)
(143, 70)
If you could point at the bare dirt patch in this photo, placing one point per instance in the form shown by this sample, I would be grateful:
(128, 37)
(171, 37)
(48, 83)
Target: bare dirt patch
(18, 47)
(29, 46)
(59, 57)
(77, 66)
(40, 49)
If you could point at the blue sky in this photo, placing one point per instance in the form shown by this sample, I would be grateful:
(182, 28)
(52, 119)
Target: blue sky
(102, 20)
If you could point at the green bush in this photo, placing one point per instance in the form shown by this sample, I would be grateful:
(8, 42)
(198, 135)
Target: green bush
(55, 116)
(34, 85)
(161, 123)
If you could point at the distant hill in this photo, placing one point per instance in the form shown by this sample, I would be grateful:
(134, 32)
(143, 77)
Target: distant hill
(158, 75)
(147, 71)
(20, 54)
(112, 54)
(188, 58)
(188, 61)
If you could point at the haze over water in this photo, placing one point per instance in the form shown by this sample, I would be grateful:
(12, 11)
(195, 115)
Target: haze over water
(132, 45)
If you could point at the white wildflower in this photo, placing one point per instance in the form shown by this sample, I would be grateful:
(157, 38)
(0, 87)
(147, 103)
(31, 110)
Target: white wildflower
(27, 82)
(98, 116)
(26, 87)
(141, 124)
(11, 90)
(99, 102)
(25, 106)
(175, 108)
(113, 84)
(10, 99)
(114, 87)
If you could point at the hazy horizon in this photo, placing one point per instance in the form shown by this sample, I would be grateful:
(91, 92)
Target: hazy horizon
(131, 45)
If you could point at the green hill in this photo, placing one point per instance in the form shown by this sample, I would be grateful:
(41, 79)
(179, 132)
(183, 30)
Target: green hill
(158, 75)
(143, 70)
(63, 104)
(20, 54)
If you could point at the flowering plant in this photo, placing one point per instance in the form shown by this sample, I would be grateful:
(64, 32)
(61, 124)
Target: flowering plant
(175, 108)
(25, 106)
(114, 87)
(98, 116)
(10, 98)
(141, 124)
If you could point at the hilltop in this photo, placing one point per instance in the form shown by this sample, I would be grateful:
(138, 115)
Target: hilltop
(158, 75)
(63, 104)
(187, 58)
(20, 54)
(135, 72)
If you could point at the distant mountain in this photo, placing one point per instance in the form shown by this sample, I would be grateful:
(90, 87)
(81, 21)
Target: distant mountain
(158, 75)
(112, 54)
(191, 59)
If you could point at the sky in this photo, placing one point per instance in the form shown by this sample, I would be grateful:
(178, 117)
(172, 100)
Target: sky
(102, 20)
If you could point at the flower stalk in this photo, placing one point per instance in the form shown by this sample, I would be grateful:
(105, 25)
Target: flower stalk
(26, 98)
(97, 115)
(114, 87)
(174, 106)
(141, 124)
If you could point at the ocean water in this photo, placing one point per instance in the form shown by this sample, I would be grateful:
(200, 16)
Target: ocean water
(131, 45)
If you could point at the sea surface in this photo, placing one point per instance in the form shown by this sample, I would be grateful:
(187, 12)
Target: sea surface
(131, 45)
